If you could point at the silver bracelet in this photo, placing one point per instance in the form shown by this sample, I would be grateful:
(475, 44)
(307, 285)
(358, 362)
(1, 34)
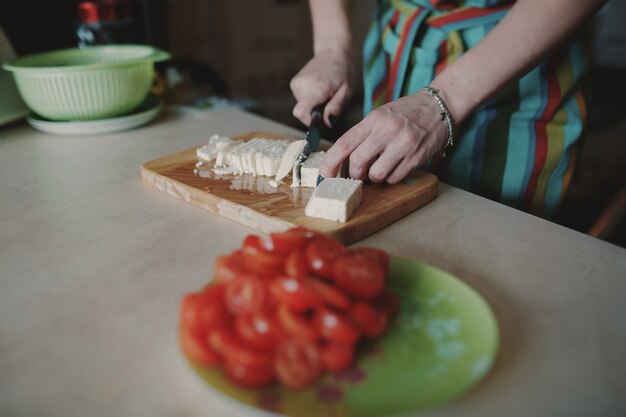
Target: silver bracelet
(445, 116)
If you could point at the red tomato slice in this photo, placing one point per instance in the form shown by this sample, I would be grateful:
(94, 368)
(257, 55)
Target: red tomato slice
(303, 230)
(249, 376)
(204, 310)
(296, 264)
(370, 321)
(375, 254)
(335, 357)
(195, 347)
(290, 240)
(228, 267)
(246, 295)
(321, 253)
(360, 277)
(296, 325)
(257, 258)
(259, 330)
(226, 344)
(294, 293)
(297, 364)
(388, 302)
(329, 294)
(335, 326)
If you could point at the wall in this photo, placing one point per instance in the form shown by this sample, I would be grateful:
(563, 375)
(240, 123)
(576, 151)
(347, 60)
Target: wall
(255, 46)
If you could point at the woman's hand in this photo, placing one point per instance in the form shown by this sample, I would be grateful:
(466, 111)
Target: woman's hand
(327, 77)
(390, 141)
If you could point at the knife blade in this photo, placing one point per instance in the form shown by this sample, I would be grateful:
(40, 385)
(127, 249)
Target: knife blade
(314, 134)
(313, 137)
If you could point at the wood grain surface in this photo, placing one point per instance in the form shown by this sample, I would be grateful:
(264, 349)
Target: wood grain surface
(252, 201)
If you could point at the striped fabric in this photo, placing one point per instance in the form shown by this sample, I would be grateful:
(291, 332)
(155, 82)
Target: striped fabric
(520, 147)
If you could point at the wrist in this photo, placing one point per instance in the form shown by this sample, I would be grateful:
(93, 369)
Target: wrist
(333, 45)
(454, 96)
(444, 114)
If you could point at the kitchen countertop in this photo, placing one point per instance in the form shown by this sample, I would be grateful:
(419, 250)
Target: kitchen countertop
(93, 265)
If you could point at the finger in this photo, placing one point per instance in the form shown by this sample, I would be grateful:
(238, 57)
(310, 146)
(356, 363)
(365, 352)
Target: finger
(407, 165)
(336, 104)
(301, 114)
(344, 146)
(388, 161)
(302, 109)
(403, 169)
(365, 154)
(307, 99)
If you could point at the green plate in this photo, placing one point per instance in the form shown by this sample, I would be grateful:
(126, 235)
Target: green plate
(443, 341)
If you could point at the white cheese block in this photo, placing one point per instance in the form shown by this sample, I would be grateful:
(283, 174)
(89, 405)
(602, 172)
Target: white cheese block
(309, 171)
(289, 158)
(335, 199)
(209, 151)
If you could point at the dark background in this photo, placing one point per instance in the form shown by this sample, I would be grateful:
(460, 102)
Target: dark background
(251, 49)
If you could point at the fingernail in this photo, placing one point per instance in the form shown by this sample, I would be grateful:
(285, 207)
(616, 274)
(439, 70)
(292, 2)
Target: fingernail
(332, 119)
(319, 180)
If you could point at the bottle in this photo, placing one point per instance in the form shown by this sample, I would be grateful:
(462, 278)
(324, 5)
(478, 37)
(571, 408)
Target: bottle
(104, 22)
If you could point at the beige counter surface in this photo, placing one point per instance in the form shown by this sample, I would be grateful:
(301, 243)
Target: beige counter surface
(93, 265)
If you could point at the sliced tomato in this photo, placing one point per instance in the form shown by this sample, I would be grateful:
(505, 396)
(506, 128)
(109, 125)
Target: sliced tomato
(246, 294)
(257, 258)
(368, 319)
(204, 310)
(226, 344)
(213, 291)
(335, 357)
(297, 363)
(290, 240)
(259, 330)
(321, 254)
(388, 302)
(296, 264)
(375, 254)
(228, 267)
(296, 325)
(249, 376)
(334, 326)
(294, 293)
(360, 277)
(329, 294)
(303, 230)
(194, 344)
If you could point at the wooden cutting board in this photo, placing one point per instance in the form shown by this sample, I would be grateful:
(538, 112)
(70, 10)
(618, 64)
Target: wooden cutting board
(253, 202)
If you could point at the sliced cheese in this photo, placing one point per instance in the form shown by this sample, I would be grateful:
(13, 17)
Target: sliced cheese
(289, 158)
(258, 156)
(209, 151)
(335, 199)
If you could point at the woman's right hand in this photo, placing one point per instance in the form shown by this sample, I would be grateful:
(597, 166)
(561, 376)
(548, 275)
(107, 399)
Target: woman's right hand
(328, 77)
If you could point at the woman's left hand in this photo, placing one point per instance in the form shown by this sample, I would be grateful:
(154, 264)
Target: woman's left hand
(390, 141)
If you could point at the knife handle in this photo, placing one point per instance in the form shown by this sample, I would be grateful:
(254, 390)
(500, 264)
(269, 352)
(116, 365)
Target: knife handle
(317, 115)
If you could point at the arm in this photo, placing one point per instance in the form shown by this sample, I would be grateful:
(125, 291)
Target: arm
(329, 75)
(527, 34)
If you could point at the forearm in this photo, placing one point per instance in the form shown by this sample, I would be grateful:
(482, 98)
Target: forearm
(331, 25)
(527, 34)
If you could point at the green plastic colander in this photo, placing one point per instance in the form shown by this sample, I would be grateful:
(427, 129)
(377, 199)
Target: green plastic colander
(86, 84)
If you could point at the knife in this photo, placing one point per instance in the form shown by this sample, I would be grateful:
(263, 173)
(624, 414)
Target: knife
(313, 137)
(314, 134)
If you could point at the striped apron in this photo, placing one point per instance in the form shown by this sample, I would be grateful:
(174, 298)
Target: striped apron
(520, 147)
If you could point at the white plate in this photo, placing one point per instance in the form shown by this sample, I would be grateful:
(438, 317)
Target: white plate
(147, 112)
